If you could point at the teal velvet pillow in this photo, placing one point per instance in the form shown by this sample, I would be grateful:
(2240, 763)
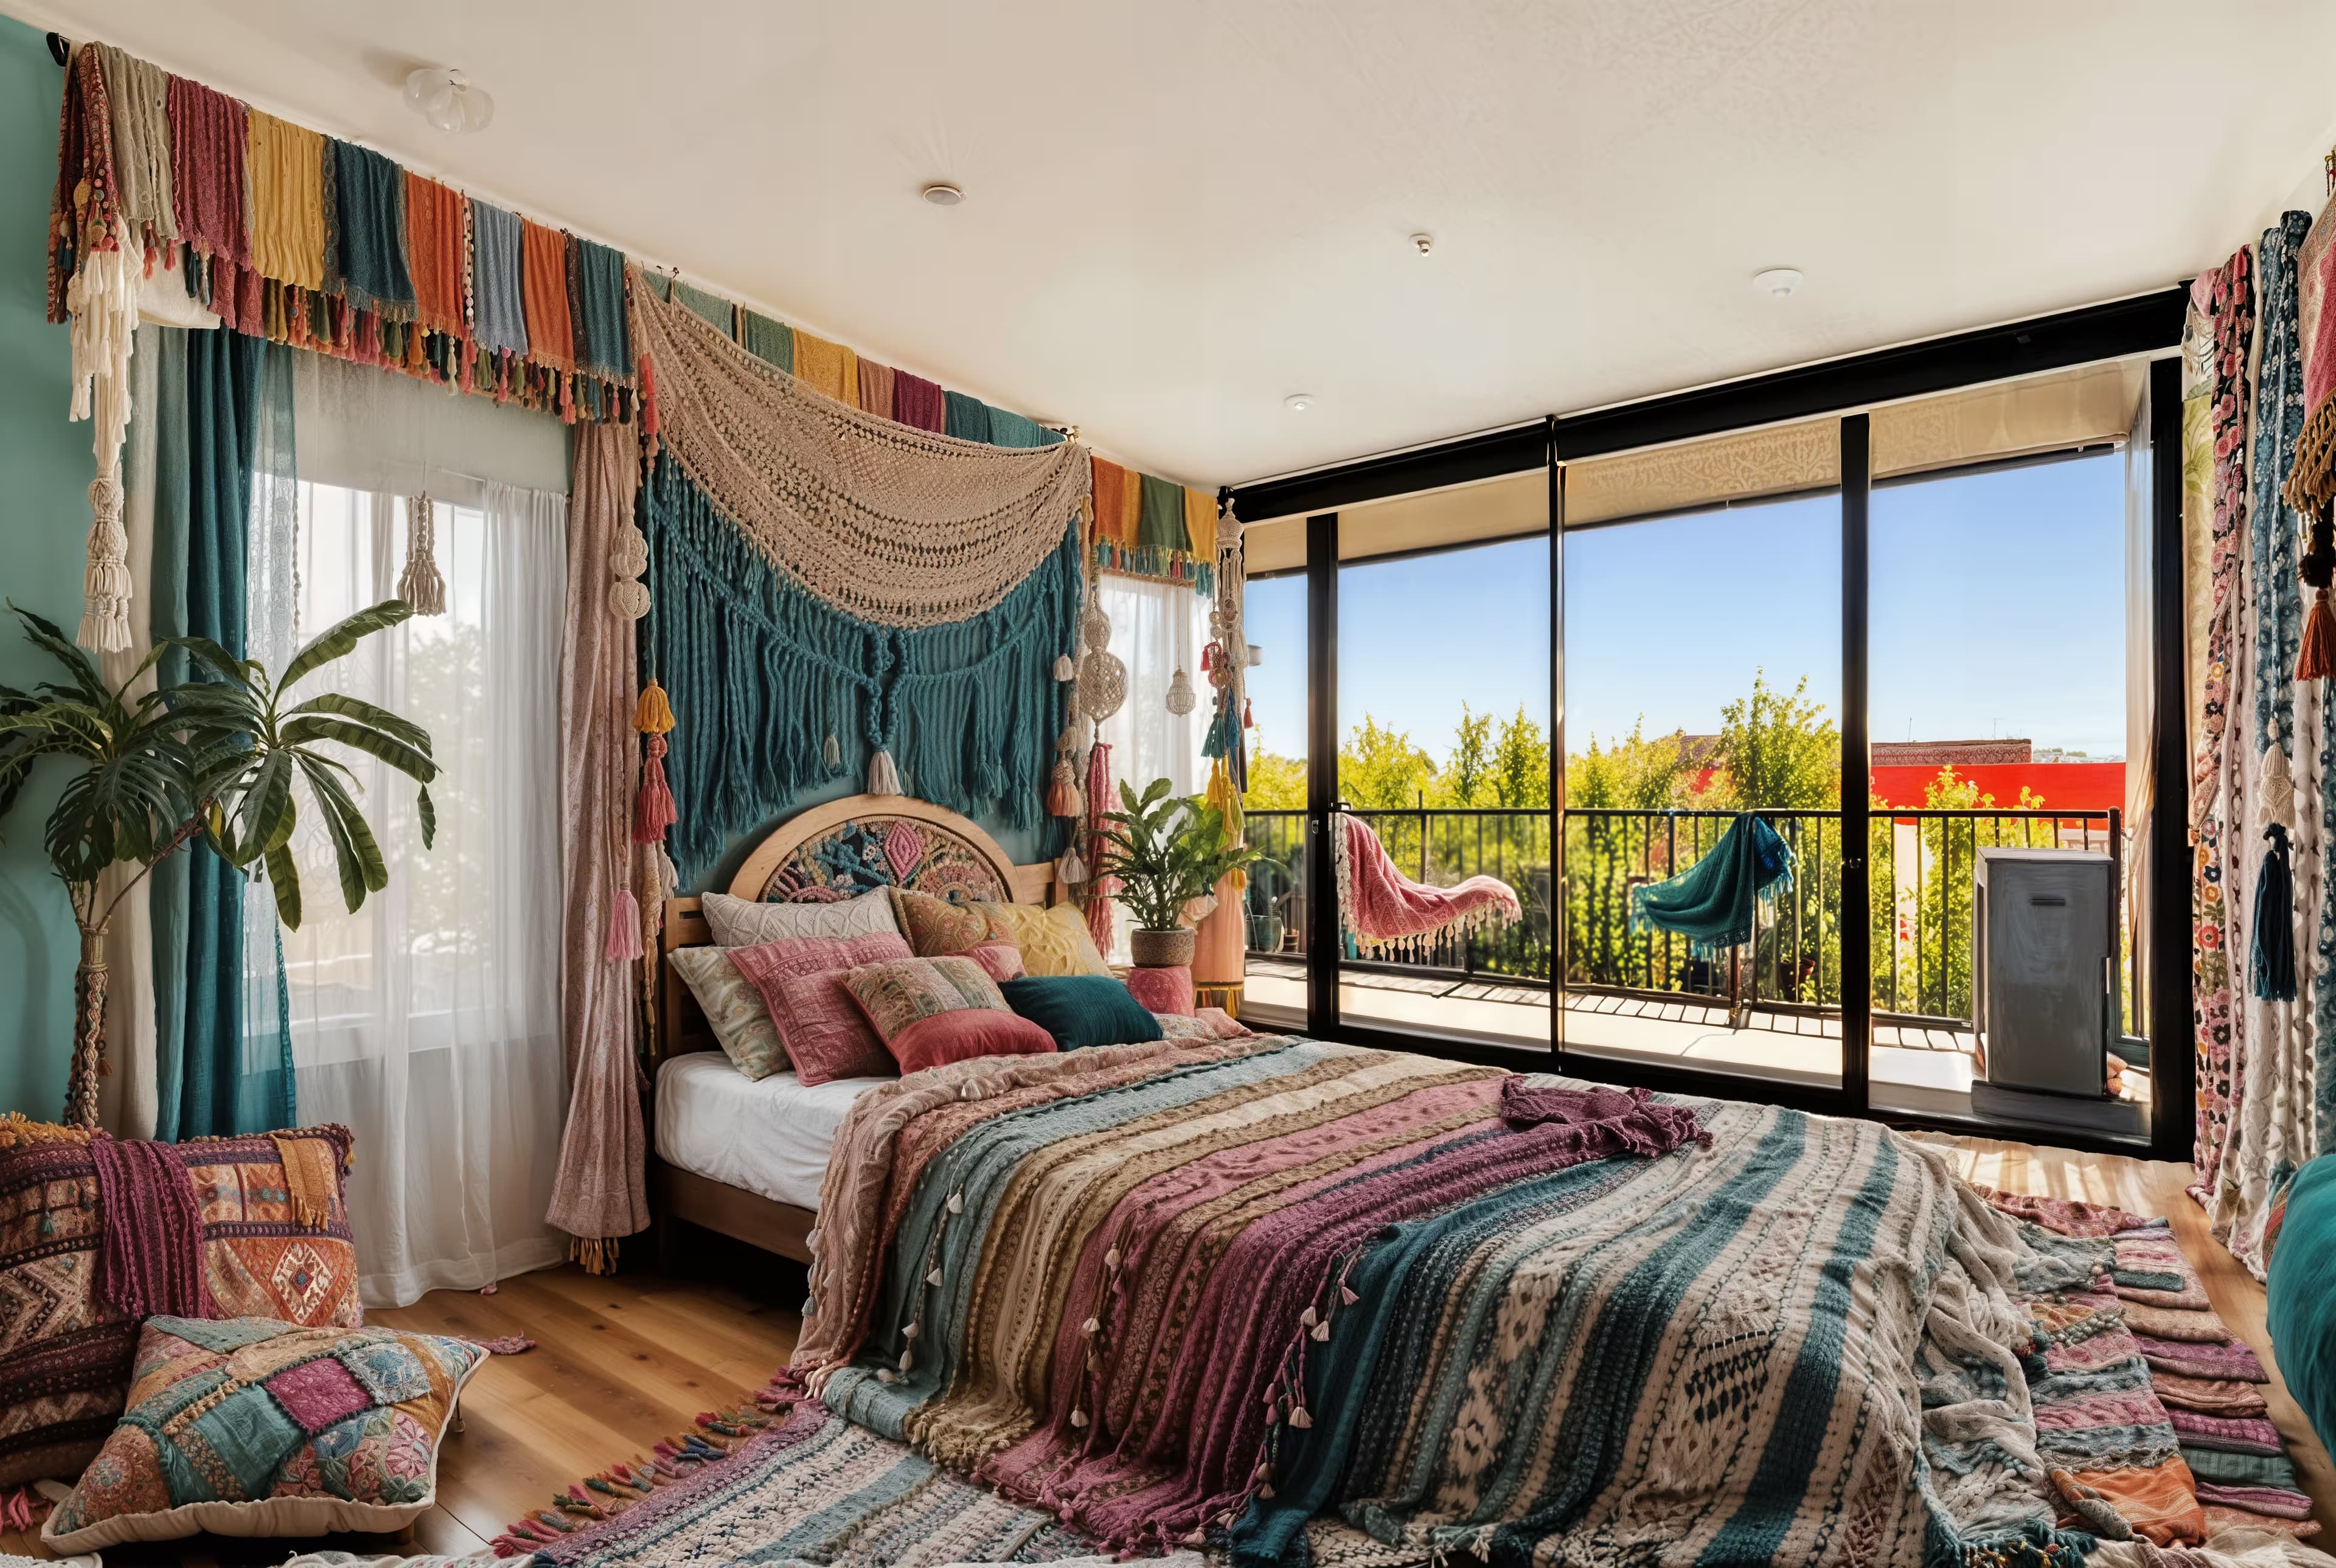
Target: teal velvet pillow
(2303, 1290)
(1082, 1010)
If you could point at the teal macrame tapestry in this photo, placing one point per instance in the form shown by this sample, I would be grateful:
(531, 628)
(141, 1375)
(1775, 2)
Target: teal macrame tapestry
(1716, 900)
(763, 674)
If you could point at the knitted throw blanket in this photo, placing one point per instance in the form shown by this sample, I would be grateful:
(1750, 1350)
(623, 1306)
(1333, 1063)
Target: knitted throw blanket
(891, 524)
(1287, 1286)
(1381, 905)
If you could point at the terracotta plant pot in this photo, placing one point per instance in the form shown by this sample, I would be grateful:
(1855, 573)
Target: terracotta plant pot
(1153, 950)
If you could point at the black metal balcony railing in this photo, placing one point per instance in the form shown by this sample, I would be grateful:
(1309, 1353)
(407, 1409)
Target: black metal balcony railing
(1920, 861)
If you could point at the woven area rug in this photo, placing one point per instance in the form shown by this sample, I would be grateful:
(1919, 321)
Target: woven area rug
(808, 1486)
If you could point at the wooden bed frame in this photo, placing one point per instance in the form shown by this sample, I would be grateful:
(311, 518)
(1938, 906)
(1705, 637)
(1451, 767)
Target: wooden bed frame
(676, 1194)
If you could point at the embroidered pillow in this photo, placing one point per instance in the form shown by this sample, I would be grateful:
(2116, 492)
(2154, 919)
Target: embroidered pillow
(902, 998)
(1082, 1010)
(734, 1008)
(745, 922)
(254, 1427)
(827, 1034)
(251, 1227)
(1001, 959)
(935, 927)
(967, 1032)
(1054, 940)
(825, 1037)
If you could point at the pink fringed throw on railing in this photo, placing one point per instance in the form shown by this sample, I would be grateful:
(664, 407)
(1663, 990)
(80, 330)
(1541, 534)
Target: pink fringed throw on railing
(151, 1261)
(1381, 905)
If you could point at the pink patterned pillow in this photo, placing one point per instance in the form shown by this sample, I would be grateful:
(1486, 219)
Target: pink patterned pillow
(822, 1045)
(1003, 961)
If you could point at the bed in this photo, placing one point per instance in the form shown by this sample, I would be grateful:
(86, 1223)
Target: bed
(745, 1158)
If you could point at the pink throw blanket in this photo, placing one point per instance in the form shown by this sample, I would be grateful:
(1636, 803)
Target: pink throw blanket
(1381, 905)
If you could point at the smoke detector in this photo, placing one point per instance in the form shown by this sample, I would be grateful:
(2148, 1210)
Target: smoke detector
(1778, 282)
(941, 193)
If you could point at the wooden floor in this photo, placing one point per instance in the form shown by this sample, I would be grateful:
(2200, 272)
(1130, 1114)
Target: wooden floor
(623, 1362)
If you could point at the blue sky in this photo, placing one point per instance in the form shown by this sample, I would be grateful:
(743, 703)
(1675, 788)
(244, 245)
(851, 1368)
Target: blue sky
(1998, 609)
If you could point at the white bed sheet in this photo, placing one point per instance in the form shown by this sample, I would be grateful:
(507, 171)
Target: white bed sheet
(770, 1136)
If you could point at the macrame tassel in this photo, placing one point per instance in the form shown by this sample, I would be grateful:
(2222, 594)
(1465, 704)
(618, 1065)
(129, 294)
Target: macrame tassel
(624, 928)
(883, 778)
(831, 754)
(1099, 891)
(2316, 659)
(2277, 796)
(1072, 868)
(105, 586)
(2273, 969)
(1063, 668)
(653, 714)
(653, 810)
(419, 584)
(1062, 799)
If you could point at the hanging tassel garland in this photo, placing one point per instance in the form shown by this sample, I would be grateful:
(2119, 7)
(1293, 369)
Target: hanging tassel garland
(653, 714)
(2315, 660)
(2273, 971)
(653, 810)
(420, 585)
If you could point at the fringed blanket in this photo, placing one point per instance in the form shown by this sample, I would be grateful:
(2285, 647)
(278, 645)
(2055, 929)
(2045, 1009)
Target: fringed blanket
(1181, 1291)
(1382, 906)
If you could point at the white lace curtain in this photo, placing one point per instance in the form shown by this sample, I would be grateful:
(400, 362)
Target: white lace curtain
(429, 1021)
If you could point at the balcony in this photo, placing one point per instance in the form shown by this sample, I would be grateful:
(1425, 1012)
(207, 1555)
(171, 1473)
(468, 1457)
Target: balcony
(1769, 1009)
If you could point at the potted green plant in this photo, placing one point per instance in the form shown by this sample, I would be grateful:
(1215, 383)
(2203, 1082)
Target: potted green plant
(216, 757)
(1168, 852)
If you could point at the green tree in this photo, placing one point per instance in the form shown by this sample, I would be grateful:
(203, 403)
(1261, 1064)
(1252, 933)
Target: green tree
(1467, 773)
(1276, 783)
(1381, 769)
(1634, 774)
(1778, 750)
(1521, 763)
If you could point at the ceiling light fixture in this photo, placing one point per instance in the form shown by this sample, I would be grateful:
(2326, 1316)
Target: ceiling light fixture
(1299, 402)
(443, 96)
(1778, 282)
(1425, 241)
(941, 193)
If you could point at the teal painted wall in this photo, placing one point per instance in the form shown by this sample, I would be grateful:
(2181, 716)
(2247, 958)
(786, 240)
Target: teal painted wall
(45, 472)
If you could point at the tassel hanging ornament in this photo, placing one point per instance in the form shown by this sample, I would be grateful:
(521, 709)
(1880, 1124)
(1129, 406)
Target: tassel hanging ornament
(653, 807)
(1072, 869)
(1063, 668)
(624, 928)
(653, 713)
(419, 584)
(2315, 660)
(830, 754)
(1062, 798)
(883, 778)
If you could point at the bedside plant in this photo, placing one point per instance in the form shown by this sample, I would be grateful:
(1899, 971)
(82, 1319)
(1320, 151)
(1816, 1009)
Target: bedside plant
(215, 757)
(1168, 851)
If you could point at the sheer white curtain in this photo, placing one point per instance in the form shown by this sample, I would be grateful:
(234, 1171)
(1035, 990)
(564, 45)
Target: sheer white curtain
(1156, 629)
(429, 1021)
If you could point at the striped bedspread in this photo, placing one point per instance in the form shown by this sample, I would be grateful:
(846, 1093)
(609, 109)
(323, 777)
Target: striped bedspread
(1366, 1307)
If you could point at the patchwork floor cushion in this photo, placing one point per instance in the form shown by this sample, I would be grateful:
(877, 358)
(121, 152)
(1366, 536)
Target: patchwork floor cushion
(250, 1428)
(222, 1227)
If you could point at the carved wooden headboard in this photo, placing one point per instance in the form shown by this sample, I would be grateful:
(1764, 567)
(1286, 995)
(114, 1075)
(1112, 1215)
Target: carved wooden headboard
(841, 850)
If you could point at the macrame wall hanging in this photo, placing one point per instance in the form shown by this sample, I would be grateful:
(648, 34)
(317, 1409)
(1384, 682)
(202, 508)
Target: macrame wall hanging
(823, 579)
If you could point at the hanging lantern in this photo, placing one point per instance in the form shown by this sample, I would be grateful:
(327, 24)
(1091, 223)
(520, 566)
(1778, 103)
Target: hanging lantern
(1181, 700)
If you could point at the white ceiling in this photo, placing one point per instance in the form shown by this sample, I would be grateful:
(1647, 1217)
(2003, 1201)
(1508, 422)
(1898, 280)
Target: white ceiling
(1179, 213)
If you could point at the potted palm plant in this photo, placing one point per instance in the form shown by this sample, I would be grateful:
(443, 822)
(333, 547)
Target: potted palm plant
(1168, 852)
(214, 757)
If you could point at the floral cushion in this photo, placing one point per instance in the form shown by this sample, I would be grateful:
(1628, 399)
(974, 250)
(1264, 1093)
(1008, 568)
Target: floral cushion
(744, 923)
(1053, 939)
(935, 927)
(825, 1035)
(267, 1250)
(897, 994)
(733, 1009)
(251, 1427)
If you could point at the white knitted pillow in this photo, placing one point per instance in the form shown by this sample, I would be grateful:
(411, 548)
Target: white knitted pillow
(745, 924)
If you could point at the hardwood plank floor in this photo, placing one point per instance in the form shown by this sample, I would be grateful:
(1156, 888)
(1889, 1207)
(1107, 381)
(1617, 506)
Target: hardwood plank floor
(621, 1363)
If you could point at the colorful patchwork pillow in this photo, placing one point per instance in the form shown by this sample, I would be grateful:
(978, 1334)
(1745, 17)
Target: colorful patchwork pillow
(1054, 940)
(251, 1427)
(937, 927)
(1082, 1010)
(231, 1227)
(745, 922)
(733, 1009)
(915, 1006)
(825, 1035)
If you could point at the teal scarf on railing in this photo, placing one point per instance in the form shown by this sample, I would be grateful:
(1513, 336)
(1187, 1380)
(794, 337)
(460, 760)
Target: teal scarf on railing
(1716, 900)
(775, 689)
